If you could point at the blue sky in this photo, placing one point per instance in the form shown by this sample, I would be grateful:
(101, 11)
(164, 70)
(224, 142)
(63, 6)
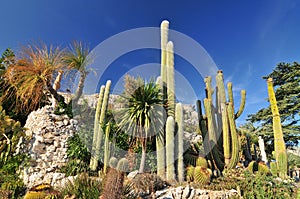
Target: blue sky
(246, 39)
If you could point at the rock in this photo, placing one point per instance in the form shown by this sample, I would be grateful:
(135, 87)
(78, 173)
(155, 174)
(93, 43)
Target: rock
(46, 147)
(132, 174)
(186, 192)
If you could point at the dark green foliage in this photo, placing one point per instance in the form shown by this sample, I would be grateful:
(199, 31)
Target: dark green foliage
(78, 155)
(286, 81)
(64, 109)
(83, 186)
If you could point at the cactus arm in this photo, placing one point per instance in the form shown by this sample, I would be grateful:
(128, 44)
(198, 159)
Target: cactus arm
(208, 89)
(180, 126)
(230, 93)
(242, 104)
(234, 138)
(96, 126)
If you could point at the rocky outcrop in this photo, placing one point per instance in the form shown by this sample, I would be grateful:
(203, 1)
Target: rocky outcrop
(47, 146)
(189, 192)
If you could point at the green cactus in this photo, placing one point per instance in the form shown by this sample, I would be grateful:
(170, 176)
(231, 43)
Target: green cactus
(113, 162)
(273, 168)
(98, 131)
(202, 175)
(263, 168)
(279, 144)
(170, 128)
(180, 126)
(170, 79)
(202, 162)
(190, 173)
(234, 138)
(164, 28)
(106, 148)
(253, 166)
(162, 81)
(160, 143)
(123, 165)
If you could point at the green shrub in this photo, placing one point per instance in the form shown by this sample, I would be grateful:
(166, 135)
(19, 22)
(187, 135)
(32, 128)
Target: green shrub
(78, 155)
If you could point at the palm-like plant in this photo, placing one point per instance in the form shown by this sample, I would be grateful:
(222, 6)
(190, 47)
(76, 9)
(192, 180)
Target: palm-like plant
(77, 60)
(141, 118)
(30, 77)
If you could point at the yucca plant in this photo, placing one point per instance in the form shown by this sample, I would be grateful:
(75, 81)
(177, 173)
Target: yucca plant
(77, 59)
(141, 117)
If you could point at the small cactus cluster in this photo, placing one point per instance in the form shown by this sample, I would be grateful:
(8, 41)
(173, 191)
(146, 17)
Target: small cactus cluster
(279, 144)
(218, 127)
(199, 173)
(258, 167)
(171, 138)
(98, 131)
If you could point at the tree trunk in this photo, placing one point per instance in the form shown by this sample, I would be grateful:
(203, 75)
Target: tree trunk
(79, 90)
(143, 159)
(54, 93)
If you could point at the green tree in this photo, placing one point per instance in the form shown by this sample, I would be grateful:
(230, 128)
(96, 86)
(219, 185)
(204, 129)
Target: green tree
(77, 60)
(140, 117)
(286, 81)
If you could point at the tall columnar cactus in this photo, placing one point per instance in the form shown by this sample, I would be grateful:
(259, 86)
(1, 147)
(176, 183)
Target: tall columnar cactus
(261, 145)
(160, 143)
(279, 144)
(170, 128)
(99, 120)
(170, 79)
(180, 126)
(218, 125)
(162, 81)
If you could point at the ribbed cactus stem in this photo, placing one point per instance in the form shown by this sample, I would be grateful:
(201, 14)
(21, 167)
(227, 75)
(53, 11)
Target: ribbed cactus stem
(208, 89)
(170, 79)
(164, 28)
(273, 168)
(230, 93)
(242, 104)
(160, 143)
(180, 126)
(106, 148)
(203, 129)
(101, 120)
(96, 127)
(226, 134)
(212, 135)
(123, 165)
(234, 138)
(113, 162)
(221, 87)
(170, 128)
(279, 144)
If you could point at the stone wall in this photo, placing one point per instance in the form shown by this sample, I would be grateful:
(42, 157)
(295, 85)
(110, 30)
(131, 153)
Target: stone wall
(47, 147)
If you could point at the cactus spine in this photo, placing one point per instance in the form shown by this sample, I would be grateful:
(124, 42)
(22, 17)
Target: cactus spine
(99, 119)
(179, 122)
(170, 128)
(279, 144)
